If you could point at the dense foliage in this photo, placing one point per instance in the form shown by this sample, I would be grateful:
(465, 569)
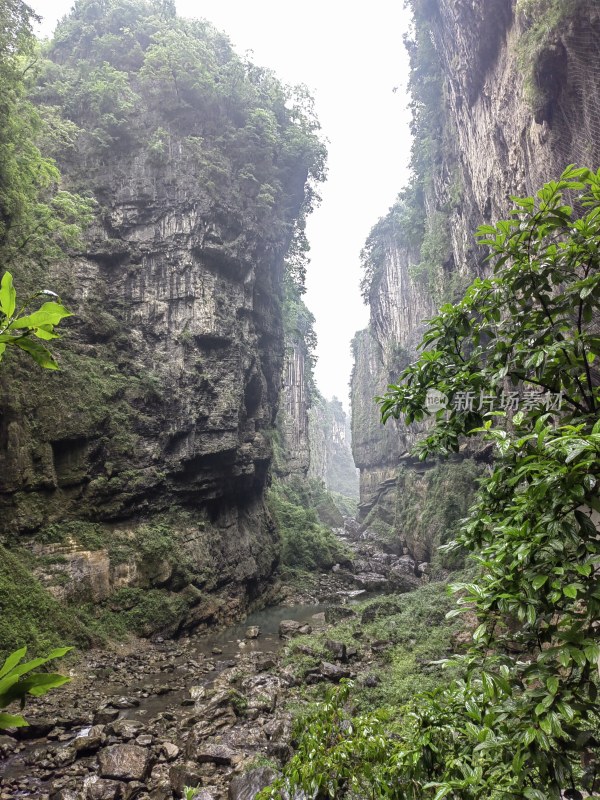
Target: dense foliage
(38, 219)
(308, 543)
(129, 77)
(522, 721)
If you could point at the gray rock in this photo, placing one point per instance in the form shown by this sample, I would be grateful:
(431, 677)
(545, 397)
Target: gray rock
(371, 581)
(125, 702)
(335, 614)
(96, 788)
(253, 632)
(403, 581)
(187, 774)
(125, 729)
(247, 786)
(126, 762)
(337, 650)
(90, 743)
(197, 692)
(333, 672)
(36, 729)
(289, 628)
(105, 715)
(215, 754)
(169, 750)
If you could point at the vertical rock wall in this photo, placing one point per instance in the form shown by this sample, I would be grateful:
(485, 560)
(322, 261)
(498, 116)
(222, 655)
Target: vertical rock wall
(521, 100)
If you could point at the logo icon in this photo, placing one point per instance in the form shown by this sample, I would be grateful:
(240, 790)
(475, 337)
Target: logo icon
(435, 400)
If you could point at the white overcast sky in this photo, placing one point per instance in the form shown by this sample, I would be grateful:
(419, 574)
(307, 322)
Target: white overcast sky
(351, 56)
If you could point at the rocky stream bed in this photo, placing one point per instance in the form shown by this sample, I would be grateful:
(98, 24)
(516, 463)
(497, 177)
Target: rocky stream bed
(148, 718)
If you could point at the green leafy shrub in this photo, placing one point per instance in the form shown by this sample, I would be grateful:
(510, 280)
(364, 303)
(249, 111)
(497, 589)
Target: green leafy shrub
(306, 543)
(17, 328)
(523, 717)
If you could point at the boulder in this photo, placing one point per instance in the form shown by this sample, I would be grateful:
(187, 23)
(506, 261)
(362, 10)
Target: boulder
(92, 741)
(247, 786)
(253, 632)
(335, 614)
(126, 729)
(337, 650)
(36, 729)
(289, 628)
(208, 753)
(332, 672)
(403, 581)
(371, 581)
(105, 715)
(181, 775)
(169, 750)
(126, 762)
(96, 788)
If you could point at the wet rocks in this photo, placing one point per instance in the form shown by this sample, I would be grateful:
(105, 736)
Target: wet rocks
(127, 762)
(253, 632)
(288, 628)
(90, 742)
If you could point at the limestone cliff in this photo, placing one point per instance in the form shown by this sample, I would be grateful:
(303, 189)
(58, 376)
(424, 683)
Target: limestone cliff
(330, 447)
(163, 414)
(505, 95)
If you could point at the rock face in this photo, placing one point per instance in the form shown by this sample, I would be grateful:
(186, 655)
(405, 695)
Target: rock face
(172, 370)
(331, 458)
(516, 102)
(292, 421)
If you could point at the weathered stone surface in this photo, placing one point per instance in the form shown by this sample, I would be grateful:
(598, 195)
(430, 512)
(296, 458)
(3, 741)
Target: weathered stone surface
(337, 650)
(247, 786)
(501, 137)
(97, 789)
(289, 628)
(90, 743)
(333, 672)
(186, 774)
(214, 754)
(125, 729)
(253, 632)
(126, 762)
(169, 750)
(335, 614)
(370, 581)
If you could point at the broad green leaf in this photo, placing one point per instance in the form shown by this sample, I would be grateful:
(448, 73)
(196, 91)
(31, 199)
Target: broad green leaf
(8, 296)
(12, 721)
(12, 660)
(539, 581)
(39, 353)
(49, 314)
